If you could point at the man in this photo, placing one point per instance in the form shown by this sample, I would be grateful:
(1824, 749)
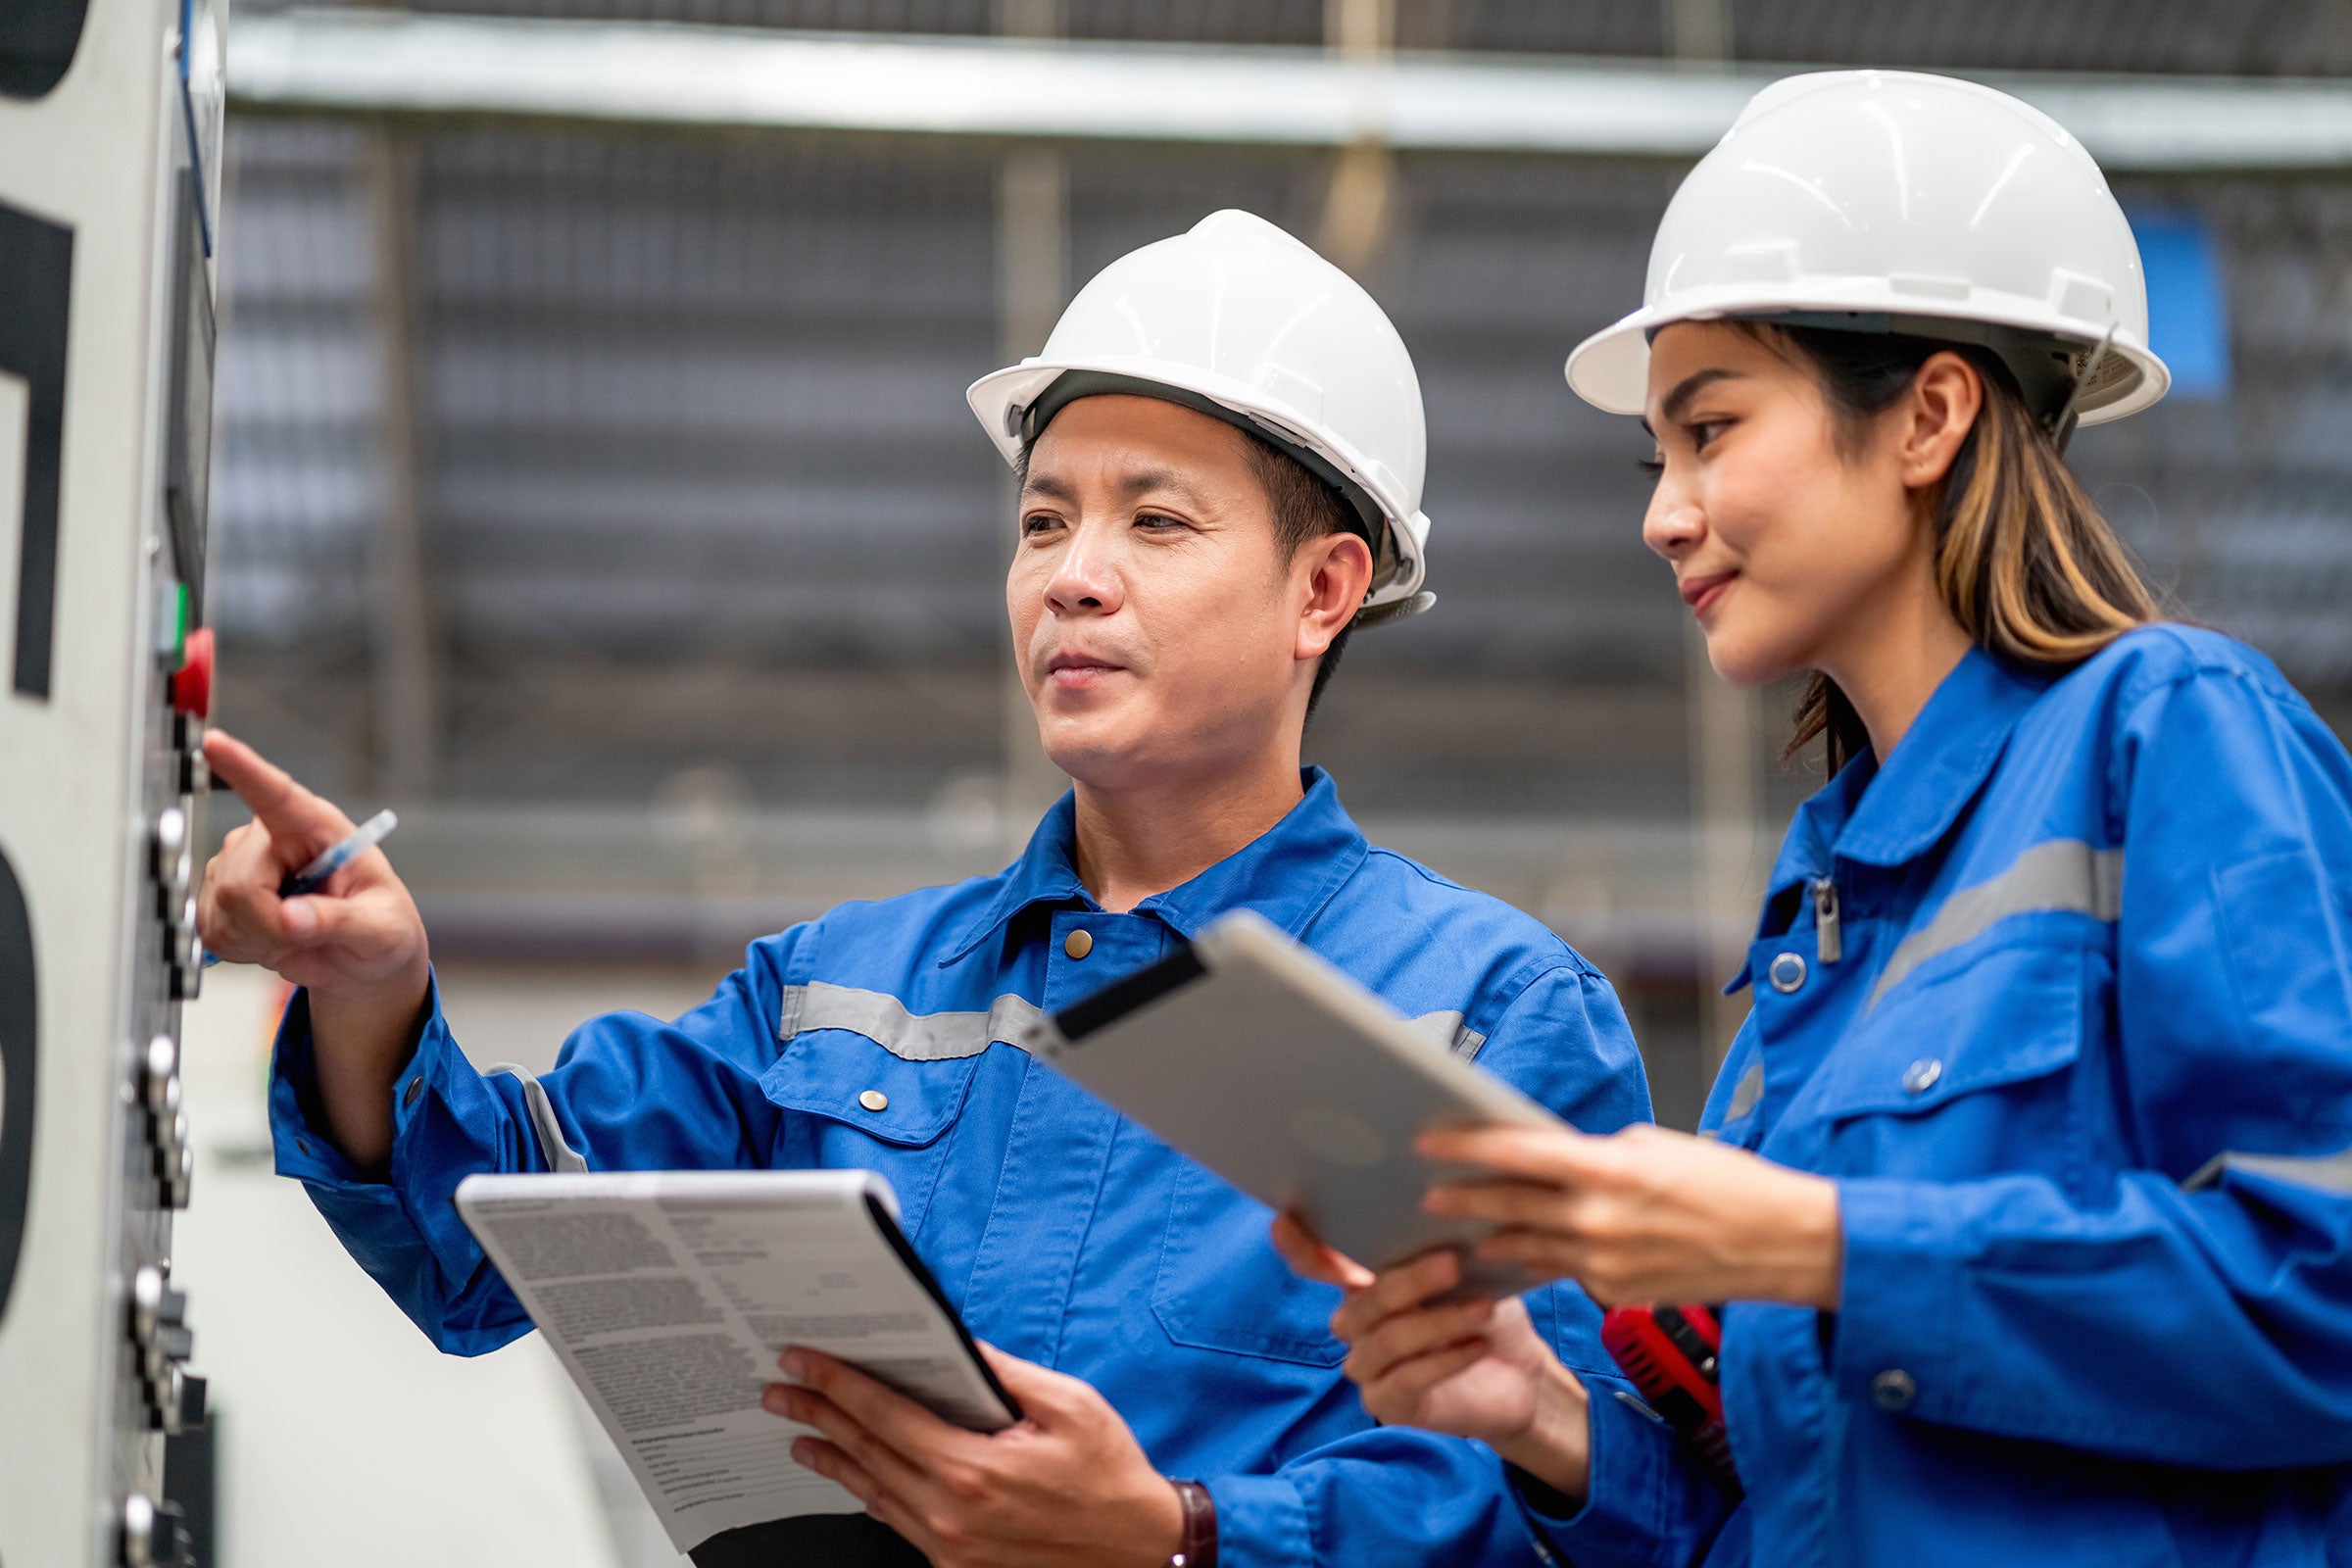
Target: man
(1221, 452)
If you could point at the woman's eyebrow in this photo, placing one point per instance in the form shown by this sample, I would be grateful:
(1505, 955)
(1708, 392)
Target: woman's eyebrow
(1675, 402)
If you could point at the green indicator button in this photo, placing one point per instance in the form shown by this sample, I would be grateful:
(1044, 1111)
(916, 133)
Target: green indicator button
(179, 624)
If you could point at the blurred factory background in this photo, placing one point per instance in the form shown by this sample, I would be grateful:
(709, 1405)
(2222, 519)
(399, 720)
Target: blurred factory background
(603, 493)
(594, 483)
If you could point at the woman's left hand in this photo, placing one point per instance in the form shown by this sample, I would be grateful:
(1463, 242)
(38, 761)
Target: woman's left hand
(1646, 1215)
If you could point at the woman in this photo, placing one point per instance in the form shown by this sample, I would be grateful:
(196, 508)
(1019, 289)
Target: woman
(2025, 1178)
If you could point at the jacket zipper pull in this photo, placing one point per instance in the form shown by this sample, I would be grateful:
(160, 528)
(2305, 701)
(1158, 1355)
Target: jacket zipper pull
(1826, 943)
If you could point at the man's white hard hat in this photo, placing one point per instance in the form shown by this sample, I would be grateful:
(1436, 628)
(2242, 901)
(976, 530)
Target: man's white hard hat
(1896, 202)
(1238, 320)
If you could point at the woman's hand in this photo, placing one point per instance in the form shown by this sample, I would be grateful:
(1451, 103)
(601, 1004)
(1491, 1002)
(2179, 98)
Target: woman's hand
(1471, 1369)
(1644, 1214)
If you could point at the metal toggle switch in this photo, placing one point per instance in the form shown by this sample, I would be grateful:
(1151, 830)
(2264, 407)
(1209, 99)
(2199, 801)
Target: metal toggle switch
(158, 1078)
(171, 860)
(187, 737)
(155, 1535)
(159, 1324)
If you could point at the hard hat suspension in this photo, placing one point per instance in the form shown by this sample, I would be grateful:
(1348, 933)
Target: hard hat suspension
(2052, 372)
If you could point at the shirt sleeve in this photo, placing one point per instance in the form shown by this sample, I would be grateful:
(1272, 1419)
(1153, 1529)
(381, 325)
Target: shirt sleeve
(1395, 1493)
(1649, 1502)
(1648, 1505)
(2199, 1322)
(629, 1092)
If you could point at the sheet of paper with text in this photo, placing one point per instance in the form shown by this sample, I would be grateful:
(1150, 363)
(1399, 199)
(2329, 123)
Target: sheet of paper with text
(668, 1297)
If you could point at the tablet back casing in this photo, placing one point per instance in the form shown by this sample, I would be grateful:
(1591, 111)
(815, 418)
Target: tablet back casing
(1294, 1083)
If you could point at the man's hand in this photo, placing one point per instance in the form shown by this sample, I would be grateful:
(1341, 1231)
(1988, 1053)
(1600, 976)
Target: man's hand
(1066, 1485)
(357, 943)
(1470, 1369)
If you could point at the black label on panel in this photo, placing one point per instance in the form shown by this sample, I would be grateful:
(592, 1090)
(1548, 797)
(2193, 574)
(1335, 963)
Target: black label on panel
(188, 456)
(19, 1049)
(37, 292)
(38, 40)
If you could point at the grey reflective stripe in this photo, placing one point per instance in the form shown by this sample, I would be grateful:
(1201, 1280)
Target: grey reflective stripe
(2065, 875)
(1745, 1092)
(2329, 1173)
(911, 1036)
(1458, 1037)
(559, 1154)
(952, 1036)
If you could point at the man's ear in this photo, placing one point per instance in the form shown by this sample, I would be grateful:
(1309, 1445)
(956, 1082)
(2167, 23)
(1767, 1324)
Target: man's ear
(1337, 571)
(1942, 408)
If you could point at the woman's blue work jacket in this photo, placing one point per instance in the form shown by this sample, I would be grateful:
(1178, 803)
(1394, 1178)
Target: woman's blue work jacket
(2062, 999)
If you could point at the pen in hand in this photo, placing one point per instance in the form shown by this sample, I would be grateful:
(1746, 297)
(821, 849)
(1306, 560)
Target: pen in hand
(367, 836)
(311, 878)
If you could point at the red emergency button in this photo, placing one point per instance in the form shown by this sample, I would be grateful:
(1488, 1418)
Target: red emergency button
(192, 684)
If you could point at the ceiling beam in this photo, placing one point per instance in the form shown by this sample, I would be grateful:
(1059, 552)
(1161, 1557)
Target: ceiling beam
(688, 75)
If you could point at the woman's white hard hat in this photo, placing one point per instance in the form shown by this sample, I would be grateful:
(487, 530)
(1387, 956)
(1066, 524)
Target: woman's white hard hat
(1894, 201)
(1240, 321)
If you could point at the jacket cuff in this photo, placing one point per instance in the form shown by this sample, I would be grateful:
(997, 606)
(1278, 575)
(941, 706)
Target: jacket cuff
(444, 1124)
(1261, 1522)
(1898, 1299)
(1643, 1496)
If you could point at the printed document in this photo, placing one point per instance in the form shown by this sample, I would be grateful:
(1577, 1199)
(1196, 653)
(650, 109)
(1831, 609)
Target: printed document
(669, 1295)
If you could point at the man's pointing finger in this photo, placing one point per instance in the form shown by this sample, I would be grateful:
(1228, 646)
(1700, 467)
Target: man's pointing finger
(283, 806)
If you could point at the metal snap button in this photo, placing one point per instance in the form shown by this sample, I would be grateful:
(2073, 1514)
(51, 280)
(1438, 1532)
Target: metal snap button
(1788, 972)
(408, 1096)
(1921, 1075)
(1893, 1389)
(874, 1099)
(1078, 944)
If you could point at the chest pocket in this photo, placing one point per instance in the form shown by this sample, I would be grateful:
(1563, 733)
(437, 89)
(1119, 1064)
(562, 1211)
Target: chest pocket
(1967, 1071)
(1222, 1286)
(862, 1107)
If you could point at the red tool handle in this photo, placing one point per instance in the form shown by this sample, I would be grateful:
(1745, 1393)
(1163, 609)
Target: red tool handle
(1671, 1354)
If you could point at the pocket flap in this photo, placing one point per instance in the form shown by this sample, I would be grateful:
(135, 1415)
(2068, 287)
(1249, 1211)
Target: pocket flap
(840, 1074)
(2014, 1013)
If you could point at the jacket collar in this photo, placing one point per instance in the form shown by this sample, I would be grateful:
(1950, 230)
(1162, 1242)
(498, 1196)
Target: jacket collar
(1887, 816)
(1285, 874)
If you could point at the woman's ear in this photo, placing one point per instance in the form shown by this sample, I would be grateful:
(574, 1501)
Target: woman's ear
(1936, 416)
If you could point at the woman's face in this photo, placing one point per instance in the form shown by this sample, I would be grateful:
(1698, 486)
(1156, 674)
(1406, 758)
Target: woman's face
(1785, 548)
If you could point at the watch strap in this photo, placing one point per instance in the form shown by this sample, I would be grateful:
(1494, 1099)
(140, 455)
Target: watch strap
(1198, 1546)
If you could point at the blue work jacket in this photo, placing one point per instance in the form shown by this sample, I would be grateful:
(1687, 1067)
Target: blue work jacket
(2061, 998)
(882, 1036)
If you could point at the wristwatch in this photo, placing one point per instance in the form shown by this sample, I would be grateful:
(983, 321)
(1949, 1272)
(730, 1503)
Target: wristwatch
(1198, 1546)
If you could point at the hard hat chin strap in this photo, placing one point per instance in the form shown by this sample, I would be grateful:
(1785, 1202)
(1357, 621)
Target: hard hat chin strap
(2062, 429)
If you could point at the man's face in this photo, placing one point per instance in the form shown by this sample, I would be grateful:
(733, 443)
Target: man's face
(1159, 631)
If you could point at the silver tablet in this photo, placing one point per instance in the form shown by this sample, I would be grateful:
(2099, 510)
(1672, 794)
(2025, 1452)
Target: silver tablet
(1269, 1067)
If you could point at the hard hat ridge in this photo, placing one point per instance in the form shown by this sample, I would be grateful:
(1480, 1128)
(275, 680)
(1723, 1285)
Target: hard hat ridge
(1240, 321)
(1901, 201)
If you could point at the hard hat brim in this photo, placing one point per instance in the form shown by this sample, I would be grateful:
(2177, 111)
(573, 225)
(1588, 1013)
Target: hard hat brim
(999, 398)
(1610, 369)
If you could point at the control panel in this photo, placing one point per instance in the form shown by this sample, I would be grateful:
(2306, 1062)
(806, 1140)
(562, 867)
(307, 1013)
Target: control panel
(110, 136)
